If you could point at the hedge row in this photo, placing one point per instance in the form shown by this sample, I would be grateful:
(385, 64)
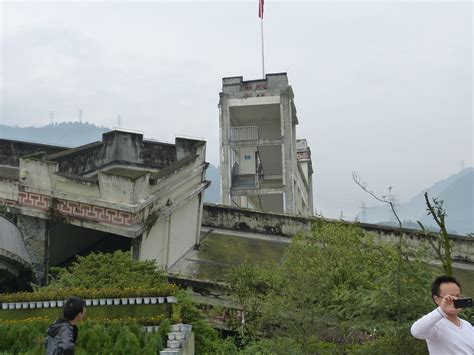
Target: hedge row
(95, 337)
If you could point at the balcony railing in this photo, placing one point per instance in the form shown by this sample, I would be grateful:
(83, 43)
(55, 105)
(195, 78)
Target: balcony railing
(244, 133)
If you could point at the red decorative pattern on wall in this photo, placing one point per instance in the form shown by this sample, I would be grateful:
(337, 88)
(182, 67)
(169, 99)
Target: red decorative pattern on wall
(75, 209)
(303, 155)
(6, 202)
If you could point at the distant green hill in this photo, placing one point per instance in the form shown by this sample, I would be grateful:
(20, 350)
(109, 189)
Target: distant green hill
(73, 134)
(70, 134)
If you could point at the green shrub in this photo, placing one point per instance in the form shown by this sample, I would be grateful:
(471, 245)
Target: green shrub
(127, 343)
(95, 337)
(165, 328)
(398, 344)
(336, 284)
(110, 270)
(154, 344)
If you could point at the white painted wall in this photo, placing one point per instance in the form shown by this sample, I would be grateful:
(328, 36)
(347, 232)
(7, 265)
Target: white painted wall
(153, 246)
(174, 235)
(247, 166)
(183, 230)
(304, 167)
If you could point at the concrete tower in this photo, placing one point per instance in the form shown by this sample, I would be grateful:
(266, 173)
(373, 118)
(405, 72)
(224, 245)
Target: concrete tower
(263, 165)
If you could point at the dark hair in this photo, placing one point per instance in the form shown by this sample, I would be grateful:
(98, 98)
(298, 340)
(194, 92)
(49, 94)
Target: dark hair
(73, 306)
(442, 280)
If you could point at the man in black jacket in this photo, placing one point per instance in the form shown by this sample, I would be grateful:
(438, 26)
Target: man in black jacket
(63, 333)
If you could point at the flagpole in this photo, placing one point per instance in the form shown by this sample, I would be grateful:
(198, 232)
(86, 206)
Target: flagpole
(263, 52)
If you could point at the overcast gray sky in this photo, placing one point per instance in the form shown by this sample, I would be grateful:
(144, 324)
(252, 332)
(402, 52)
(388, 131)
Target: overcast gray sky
(384, 88)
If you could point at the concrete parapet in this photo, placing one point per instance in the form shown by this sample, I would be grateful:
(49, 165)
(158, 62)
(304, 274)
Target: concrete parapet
(276, 224)
(273, 84)
(233, 218)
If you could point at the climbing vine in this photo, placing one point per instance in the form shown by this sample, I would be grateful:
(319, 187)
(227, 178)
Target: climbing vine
(150, 220)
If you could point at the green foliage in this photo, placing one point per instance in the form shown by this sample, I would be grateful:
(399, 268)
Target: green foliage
(98, 338)
(95, 339)
(225, 347)
(207, 340)
(153, 345)
(101, 270)
(165, 327)
(126, 343)
(402, 343)
(468, 314)
(335, 284)
(286, 345)
(440, 242)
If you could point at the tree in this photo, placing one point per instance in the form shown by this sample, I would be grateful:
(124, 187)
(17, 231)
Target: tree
(363, 185)
(440, 242)
(335, 284)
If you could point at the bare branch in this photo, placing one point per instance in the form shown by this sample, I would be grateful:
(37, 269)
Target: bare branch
(363, 185)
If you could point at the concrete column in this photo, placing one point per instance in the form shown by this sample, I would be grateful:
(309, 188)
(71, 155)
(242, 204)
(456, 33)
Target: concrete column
(36, 238)
(287, 152)
(199, 219)
(136, 246)
(225, 168)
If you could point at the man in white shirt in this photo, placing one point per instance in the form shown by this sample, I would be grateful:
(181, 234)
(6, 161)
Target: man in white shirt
(444, 332)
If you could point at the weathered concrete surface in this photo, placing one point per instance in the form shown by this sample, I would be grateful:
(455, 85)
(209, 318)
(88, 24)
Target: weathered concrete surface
(257, 121)
(35, 236)
(220, 250)
(226, 217)
(233, 218)
(12, 150)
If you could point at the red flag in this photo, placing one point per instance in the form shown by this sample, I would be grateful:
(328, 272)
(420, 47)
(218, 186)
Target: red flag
(260, 8)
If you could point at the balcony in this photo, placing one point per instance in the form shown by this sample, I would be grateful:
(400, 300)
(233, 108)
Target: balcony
(244, 133)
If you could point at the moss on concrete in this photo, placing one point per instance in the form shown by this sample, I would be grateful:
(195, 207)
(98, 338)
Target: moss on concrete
(221, 252)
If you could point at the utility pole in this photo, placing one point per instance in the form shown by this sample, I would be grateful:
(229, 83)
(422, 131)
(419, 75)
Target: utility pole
(393, 200)
(51, 117)
(80, 115)
(119, 121)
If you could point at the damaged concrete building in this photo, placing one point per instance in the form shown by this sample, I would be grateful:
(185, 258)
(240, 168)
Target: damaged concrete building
(123, 192)
(263, 165)
(129, 193)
